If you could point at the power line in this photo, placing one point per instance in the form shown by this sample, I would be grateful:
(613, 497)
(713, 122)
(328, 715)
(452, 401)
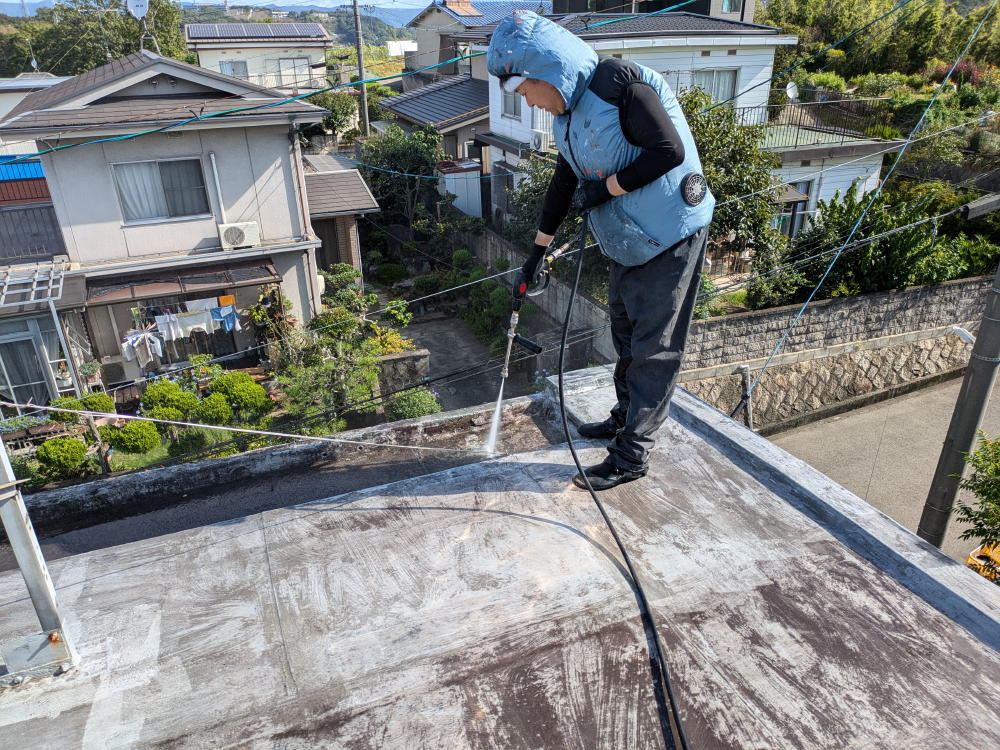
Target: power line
(874, 197)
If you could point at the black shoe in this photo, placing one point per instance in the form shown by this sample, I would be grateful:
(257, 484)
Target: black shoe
(606, 475)
(599, 430)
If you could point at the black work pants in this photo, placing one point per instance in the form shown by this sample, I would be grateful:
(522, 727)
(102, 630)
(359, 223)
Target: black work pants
(651, 308)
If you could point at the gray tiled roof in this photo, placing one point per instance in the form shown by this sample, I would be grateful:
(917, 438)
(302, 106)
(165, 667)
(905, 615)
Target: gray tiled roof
(37, 109)
(664, 24)
(671, 23)
(329, 162)
(445, 102)
(151, 111)
(82, 82)
(334, 193)
(256, 31)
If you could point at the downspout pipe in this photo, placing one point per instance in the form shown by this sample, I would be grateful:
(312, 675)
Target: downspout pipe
(218, 188)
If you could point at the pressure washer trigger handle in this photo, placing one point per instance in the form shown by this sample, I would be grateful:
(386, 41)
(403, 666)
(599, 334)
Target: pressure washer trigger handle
(528, 344)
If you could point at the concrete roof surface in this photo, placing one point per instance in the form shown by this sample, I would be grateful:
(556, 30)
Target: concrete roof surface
(333, 193)
(446, 102)
(485, 607)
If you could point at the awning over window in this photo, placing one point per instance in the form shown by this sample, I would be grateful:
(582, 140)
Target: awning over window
(167, 283)
(789, 194)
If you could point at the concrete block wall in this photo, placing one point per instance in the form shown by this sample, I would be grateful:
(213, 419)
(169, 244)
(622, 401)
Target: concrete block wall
(842, 351)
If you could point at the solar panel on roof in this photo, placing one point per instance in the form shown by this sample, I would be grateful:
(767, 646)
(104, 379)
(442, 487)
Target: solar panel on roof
(254, 30)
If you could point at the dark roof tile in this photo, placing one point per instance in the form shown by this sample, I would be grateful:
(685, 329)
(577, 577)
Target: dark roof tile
(442, 102)
(343, 192)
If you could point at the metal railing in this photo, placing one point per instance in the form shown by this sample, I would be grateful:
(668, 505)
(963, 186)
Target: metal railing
(29, 233)
(299, 80)
(833, 122)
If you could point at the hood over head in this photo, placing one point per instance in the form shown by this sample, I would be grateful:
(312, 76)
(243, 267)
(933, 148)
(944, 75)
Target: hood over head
(525, 44)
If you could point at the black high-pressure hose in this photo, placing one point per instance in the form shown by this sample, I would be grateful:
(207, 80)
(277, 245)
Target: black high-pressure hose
(661, 675)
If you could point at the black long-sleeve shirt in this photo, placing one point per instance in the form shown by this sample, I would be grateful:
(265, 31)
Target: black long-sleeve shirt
(645, 123)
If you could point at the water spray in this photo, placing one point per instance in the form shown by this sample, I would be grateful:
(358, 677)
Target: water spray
(522, 290)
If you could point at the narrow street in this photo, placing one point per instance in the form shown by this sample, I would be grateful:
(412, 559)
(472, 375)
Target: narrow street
(886, 453)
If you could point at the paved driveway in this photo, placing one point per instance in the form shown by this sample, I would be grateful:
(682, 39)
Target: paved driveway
(886, 453)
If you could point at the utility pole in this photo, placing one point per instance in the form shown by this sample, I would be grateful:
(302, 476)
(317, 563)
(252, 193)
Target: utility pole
(971, 406)
(365, 129)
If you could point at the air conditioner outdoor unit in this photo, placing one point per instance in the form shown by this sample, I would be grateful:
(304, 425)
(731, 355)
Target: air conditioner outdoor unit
(540, 140)
(244, 234)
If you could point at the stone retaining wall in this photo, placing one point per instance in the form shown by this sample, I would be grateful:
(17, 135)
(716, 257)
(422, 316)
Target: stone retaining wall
(842, 349)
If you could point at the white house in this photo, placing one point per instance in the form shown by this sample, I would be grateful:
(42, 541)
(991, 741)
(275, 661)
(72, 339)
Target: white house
(285, 56)
(12, 91)
(214, 211)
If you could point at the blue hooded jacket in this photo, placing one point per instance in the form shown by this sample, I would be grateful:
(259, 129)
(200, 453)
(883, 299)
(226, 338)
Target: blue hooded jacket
(633, 228)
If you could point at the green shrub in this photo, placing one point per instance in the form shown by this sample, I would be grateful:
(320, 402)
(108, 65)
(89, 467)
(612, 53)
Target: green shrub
(61, 457)
(828, 80)
(23, 468)
(214, 409)
(243, 394)
(502, 264)
(190, 440)
(878, 84)
(416, 403)
(462, 259)
(164, 412)
(168, 393)
(101, 402)
(426, 284)
(134, 437)
(391, 273)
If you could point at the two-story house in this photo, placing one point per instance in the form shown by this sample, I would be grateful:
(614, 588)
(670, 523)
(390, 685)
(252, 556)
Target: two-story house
(12, 91)
(824, 146)
(290, 57)
(175, 221)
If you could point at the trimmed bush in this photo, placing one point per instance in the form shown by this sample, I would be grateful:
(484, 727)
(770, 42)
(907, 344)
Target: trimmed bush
(416, 403)
(214, 409)
(426, 284)
(462, 259)
(165, 412)
(243, 394)
(133, 437)
(91, 402)
(829, 80)
(61, 457)
(190, 440)
(168, 393)
(391, 273)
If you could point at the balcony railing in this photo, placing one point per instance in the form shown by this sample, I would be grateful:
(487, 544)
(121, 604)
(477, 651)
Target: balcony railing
(836, 122)
(29, 233)
(297, 80)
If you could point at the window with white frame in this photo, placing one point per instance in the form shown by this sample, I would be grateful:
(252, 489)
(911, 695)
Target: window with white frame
(150, 190)
(511, 104)
(294, 71)
(732, 6)
(235, 68)
(720, 84)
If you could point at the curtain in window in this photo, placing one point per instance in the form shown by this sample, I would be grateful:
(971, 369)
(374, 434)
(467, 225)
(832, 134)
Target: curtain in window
(184, 187)
(719, 84)
(140, 191)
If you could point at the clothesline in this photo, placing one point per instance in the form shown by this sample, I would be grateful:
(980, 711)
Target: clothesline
(145, 342)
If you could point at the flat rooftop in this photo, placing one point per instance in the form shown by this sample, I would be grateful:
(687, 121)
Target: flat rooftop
(484, 607)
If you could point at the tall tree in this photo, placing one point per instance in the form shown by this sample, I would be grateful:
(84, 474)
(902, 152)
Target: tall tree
(78, 35)
(404, 158)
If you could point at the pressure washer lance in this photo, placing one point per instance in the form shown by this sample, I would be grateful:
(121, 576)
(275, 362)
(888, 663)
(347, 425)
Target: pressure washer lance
(521, 290)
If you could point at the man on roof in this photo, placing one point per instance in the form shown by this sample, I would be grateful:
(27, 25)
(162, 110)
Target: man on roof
(627, 156)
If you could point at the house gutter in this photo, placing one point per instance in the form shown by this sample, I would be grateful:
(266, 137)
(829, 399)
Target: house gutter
(218, 187)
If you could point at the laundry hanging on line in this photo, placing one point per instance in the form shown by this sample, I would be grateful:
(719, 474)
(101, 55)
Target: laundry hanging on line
(190, 322)
(142, 346)
(195, 305)
(227, 317)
